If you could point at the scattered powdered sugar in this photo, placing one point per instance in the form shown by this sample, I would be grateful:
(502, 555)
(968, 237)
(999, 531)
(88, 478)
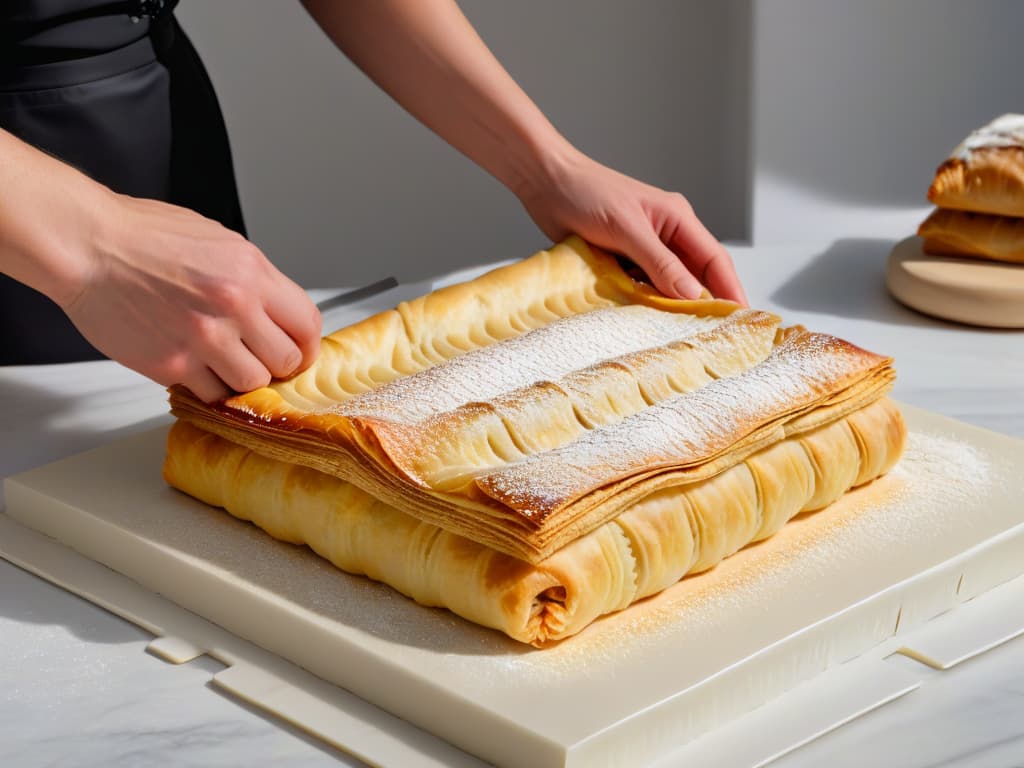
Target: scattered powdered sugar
(1005, 131)
(683, 430)
(563, 346)
(931, 497)
(932, 457)
(940, 490)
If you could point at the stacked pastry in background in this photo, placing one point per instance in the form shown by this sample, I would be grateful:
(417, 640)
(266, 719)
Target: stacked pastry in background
(979, 192)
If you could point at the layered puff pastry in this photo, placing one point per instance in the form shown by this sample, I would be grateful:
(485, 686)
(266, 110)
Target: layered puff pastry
(654, 542)
(960, 233)
(985, 173)
(544, 444)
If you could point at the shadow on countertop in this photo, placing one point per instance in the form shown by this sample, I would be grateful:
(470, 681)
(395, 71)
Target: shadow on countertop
(848, 280)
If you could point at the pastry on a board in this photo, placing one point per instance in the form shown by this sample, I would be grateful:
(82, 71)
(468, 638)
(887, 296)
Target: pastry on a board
(985, 173)
(544, 444)
(962, 233)
(650, 545)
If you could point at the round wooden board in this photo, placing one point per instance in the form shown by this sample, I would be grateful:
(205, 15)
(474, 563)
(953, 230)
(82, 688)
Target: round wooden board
(972, 291)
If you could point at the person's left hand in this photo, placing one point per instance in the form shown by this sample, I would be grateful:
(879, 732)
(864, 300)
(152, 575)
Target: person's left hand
(656, 229)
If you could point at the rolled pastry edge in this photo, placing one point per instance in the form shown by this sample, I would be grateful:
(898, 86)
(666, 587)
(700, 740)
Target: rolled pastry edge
(660, 539)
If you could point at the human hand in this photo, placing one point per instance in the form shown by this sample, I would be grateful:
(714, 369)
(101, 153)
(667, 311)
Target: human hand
(656, 229)
(184, 300)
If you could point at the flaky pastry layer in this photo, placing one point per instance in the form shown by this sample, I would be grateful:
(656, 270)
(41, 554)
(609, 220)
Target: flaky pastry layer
(657, 539)
(985, 172)
(988, 181)
(527, 408)
(959, 233)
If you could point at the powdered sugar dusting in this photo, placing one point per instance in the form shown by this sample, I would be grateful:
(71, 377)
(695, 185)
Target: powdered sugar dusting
(1005, 131)
(939, 480)
(683, 430)
(942, 488)
(549, 352)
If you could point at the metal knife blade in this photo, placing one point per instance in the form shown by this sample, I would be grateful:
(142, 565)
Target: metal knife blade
(357, 294)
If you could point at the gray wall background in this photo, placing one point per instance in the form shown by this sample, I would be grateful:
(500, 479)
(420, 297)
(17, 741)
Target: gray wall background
(339, 185)
(855, 103)
(779, 119)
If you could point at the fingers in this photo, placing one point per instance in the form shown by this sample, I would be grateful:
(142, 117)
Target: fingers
(666, 271)
(217, 343)
(190, 302)
(240, 364)
(704, 255)
(236, 365)
(682, 258)
(250, 335)
(205, 384)
(222, 363)
(721, 279)
(272, 346)
(288, 306)
(188, 370)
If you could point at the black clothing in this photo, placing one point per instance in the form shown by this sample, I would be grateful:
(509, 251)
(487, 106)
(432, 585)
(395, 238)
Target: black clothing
(123, 97)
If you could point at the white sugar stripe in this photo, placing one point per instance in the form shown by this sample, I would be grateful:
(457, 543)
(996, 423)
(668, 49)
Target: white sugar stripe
(547, 353)
(1004, 131)
(683, 430)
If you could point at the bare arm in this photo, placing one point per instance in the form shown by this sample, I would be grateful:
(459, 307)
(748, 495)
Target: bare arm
(32, 250)
(428, 57)
(161, 289)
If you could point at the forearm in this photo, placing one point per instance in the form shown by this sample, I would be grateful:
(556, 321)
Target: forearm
(157, 287)
(428, 57)
(43, 201)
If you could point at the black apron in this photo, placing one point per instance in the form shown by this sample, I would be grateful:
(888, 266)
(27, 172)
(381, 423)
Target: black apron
(116, 90)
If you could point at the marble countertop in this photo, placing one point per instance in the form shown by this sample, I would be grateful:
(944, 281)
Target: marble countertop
(77, 687)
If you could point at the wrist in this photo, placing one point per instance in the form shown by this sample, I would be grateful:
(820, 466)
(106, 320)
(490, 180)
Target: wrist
(541, 166)
(69, 254)
(49, 215)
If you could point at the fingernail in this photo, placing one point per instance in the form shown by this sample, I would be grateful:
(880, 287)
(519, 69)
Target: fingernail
(685, 290)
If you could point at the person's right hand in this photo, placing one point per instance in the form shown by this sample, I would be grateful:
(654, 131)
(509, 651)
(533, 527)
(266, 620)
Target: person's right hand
(184, 300)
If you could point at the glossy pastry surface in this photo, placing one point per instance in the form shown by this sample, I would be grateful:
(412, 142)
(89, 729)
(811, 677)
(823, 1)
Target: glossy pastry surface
(657, 540)
(985, 236)
(522, 412)
(985, 173)
(545, 444)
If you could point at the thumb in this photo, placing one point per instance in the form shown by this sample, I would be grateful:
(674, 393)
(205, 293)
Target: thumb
(663, 267)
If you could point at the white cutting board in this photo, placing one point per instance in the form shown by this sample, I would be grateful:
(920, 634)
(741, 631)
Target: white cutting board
(943, 527)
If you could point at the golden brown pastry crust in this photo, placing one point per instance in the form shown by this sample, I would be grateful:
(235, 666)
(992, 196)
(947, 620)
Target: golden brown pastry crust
(655, 541)
(546, 444)
(989, 180)
(985, 172)
(959, 233)
(600, 393)
(542, 499)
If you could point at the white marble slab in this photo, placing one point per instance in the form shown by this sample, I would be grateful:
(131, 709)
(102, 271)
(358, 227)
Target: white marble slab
(76, 686)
